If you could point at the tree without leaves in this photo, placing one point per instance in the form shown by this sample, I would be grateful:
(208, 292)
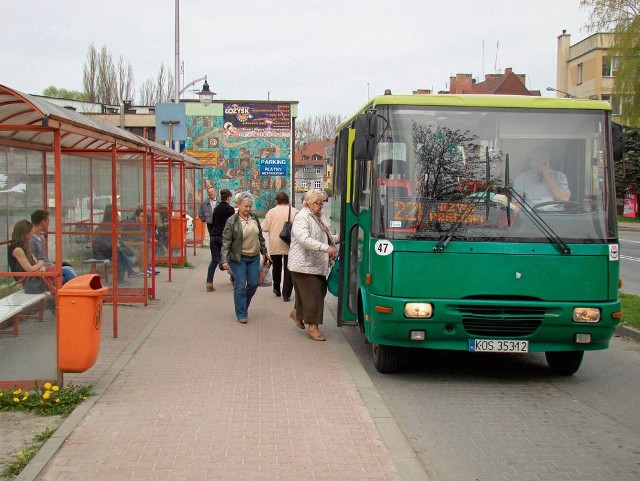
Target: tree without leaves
(90, 74)
(107, 84)
(318, 128)
(623, 18)
(126, 84)
(148, 93)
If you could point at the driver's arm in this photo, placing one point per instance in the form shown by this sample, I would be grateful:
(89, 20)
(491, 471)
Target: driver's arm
(559, 189)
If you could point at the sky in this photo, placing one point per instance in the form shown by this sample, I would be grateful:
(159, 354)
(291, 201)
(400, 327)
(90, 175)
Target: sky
(329, 55)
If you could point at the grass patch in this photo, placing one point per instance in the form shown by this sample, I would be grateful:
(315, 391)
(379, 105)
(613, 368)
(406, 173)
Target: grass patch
(28, 451)
(48, 400)
(628, 219)
(630, 309)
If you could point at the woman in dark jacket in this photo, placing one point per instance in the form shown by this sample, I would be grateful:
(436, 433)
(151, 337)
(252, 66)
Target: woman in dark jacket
(242, 244)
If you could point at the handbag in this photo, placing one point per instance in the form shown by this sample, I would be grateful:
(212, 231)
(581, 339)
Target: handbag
(285, 233)
(333, 279)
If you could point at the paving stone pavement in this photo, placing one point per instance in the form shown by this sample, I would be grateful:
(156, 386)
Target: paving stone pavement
(187, 393)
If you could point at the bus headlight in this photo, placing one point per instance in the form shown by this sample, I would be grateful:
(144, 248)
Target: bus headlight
(422, 310)
(586, 314)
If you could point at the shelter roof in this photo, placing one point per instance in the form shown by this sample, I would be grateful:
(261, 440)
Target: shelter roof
(28, 121)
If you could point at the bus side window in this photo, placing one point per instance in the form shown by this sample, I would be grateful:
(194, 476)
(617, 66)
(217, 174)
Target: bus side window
(362, 193)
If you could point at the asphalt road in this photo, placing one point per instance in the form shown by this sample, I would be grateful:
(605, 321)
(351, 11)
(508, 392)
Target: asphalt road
(630, 260)
(486, 417)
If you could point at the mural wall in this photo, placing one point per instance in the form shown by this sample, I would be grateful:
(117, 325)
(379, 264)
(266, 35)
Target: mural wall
(244, 146)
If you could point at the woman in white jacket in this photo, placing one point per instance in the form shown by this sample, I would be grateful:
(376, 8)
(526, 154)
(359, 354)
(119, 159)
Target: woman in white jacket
(311, 254)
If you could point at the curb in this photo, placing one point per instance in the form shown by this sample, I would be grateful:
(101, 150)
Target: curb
(628, 331)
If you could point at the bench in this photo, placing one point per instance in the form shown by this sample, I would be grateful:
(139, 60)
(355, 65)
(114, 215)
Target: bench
(105, 265)
(14, 305)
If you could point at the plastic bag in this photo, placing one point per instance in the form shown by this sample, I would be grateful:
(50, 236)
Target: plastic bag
(333, 279)
(265, 279)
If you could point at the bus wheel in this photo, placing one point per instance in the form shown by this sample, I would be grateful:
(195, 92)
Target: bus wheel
(386, 358)
(564, 363)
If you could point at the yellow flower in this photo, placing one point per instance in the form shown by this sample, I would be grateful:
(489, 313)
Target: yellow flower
(58, 400)
(55, 388)
(46, 395)
(1, 393)
(20, 453)
(17, 391)
(47, 385)
(26, 396)
(16, 400)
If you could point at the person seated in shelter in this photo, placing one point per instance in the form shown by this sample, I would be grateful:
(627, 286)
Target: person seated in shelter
(136, 241)
(161, 221)
(40, 220)
(541, 184)
(21, 259)
(102, 248)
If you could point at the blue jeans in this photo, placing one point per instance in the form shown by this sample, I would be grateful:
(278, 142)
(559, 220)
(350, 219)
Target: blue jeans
(245, 284)
(68, 273)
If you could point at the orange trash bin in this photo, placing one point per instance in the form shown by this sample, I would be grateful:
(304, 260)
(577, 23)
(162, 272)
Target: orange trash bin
(80, 308)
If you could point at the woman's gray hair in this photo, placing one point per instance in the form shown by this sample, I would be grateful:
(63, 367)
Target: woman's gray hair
(313, 196)
(242, 196)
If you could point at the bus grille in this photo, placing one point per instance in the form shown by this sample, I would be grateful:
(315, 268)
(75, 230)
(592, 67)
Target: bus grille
(500, 321)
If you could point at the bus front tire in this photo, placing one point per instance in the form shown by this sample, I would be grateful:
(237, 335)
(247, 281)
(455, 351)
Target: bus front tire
(386, 359)
(564, 363)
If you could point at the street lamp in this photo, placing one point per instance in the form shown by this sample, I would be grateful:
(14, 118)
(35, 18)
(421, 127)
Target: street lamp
(205, 95)
(566, 94)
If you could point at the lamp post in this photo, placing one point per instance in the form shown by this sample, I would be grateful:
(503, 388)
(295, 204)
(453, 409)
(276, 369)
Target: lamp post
(205, 95)
(566, 94)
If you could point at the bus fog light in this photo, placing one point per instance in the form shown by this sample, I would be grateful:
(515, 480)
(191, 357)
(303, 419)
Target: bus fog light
(418, 335)
(586, 314)
(583, 338)
(422, 310)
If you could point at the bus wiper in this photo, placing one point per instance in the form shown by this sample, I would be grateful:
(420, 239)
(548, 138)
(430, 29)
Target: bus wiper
(471, 207)
(541, 224)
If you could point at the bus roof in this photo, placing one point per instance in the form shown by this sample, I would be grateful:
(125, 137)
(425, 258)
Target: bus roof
(488, 101)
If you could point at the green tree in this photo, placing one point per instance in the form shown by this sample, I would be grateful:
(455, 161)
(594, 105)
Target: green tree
(622, 17)
(627, 170)
(62, 93)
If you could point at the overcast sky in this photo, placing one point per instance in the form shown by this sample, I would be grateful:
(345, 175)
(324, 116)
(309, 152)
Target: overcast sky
(327, 54)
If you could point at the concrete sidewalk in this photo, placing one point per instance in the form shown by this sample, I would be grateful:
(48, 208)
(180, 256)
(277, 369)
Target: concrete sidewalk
(187, 393)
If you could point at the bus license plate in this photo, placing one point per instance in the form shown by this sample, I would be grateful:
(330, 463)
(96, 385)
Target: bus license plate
(498, 345)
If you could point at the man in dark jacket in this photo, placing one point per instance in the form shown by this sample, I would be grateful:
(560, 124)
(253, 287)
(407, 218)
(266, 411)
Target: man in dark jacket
(220, 214)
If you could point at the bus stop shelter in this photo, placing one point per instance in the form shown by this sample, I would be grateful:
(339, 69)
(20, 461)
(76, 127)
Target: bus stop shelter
(92, 178)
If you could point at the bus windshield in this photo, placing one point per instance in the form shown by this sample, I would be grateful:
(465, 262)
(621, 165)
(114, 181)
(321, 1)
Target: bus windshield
(491, 174)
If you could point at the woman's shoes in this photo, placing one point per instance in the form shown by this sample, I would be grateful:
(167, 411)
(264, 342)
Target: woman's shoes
(315, 334)
(298, 323)
(210, 287)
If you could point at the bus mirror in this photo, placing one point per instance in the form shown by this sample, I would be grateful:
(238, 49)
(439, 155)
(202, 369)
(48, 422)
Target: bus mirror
(618, 141)
(364, 145)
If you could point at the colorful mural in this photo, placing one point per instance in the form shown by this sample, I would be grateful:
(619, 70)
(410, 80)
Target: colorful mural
(247, 146)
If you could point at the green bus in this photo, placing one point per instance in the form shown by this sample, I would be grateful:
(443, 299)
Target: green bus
(479, 223)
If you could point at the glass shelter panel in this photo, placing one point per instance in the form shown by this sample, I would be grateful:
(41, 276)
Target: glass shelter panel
(31, 354)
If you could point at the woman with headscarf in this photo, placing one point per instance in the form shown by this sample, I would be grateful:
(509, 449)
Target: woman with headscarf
(311, 254)
(242, 244)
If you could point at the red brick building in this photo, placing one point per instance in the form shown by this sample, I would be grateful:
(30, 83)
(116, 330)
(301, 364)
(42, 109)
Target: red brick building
(507, 83)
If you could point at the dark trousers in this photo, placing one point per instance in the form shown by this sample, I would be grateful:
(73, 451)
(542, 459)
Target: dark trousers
(215, 245)
(310, 292)
(280, 262)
